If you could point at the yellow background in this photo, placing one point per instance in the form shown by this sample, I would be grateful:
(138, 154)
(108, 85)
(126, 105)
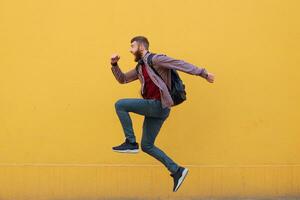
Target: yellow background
(238, 136)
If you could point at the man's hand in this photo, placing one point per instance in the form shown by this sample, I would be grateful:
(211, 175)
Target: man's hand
(210, 77)
(114, 58)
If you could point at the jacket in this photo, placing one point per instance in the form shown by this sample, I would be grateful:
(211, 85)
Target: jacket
(162, 64)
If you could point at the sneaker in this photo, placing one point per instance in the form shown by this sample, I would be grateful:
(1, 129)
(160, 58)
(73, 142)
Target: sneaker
(127, 147)
(179, 177)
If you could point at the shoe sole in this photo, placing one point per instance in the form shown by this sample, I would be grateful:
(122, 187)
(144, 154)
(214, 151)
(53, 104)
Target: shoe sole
(181, 179)
(127, 151)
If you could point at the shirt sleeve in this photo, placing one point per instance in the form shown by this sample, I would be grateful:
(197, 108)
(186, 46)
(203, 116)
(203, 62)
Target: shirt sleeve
(163, 60)
(124, 77)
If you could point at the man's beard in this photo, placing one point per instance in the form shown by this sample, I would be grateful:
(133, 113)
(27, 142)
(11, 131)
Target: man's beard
(137, 56)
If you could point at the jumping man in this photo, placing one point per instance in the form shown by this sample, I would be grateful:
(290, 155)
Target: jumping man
(156, 103)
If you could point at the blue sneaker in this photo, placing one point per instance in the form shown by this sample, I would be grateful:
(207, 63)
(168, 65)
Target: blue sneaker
(127, 147)
(178, 177)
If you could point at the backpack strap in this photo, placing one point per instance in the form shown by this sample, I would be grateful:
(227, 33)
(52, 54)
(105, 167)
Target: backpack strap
(150, 63)
(149, 59)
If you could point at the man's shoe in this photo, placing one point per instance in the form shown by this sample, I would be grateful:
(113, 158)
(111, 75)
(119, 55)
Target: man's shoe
(127, 147)
(179, 177)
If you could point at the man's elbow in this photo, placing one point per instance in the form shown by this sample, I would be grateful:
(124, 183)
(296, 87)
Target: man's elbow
(122, 81)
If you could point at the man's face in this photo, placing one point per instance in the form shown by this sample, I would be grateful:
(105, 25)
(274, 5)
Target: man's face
(136, 50)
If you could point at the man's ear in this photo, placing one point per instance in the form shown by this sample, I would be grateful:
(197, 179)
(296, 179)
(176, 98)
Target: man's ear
(141, 47)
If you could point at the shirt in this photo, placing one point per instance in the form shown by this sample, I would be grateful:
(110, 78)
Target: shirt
(162, 64)
(151, 91)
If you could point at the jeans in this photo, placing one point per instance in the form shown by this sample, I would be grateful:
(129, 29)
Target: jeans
(154, 117)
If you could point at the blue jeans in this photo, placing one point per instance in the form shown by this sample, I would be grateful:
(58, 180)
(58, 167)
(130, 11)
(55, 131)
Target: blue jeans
(154, 117)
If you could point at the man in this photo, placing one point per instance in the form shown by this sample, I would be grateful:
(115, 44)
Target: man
(156, 103)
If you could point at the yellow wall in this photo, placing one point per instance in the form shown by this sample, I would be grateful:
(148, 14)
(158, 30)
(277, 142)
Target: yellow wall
(239, 136)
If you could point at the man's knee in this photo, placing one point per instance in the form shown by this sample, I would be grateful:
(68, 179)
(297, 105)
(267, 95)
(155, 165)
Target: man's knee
(119, 104)
(146, 147)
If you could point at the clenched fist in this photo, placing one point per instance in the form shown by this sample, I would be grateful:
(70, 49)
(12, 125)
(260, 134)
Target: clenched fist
(114, 58)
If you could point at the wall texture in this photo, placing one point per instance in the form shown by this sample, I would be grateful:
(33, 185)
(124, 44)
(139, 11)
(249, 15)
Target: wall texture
(239, 136)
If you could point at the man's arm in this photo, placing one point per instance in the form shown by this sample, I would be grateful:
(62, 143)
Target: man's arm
(117, 72)
(123, 77)
(181, 65)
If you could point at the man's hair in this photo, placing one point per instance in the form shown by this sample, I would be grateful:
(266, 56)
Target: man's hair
(142, 40)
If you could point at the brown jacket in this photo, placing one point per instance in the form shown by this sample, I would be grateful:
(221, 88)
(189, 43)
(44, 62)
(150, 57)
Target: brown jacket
(162, 64)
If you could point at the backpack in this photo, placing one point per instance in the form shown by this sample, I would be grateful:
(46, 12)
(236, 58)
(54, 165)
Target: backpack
(177, 90)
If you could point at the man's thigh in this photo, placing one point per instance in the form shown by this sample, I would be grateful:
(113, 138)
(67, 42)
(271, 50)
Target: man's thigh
(151, 128)
(146, 107)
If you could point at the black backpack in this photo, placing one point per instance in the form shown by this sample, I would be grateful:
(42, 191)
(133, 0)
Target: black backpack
(177, 90)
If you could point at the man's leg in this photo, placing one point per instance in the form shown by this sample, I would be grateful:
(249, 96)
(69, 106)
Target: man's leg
(155, 116)
(151, 128)
(146, 107)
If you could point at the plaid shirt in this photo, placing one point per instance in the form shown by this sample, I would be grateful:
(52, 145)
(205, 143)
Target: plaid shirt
(161, 63)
